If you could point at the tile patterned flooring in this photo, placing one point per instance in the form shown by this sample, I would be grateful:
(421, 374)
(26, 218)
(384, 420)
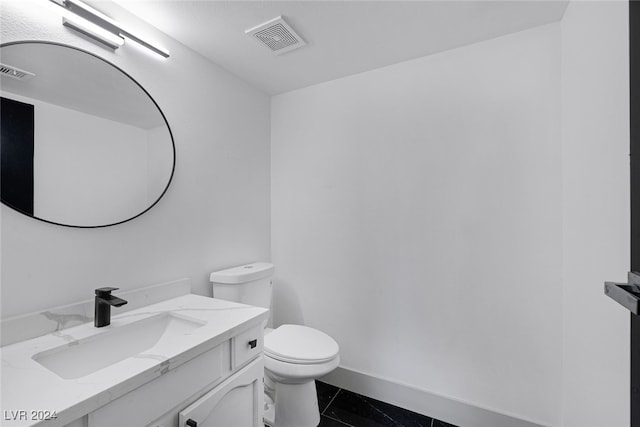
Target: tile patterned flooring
(343, 408)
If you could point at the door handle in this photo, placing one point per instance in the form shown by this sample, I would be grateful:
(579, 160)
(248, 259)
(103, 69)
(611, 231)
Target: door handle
(626, 294)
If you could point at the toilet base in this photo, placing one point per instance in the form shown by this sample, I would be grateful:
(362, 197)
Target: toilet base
(269, 413)
(296, 405)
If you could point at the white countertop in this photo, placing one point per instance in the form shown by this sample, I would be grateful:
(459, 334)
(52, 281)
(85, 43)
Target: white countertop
(29, 386)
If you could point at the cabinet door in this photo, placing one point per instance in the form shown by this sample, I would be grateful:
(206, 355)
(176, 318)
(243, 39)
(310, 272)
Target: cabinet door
(237, 402)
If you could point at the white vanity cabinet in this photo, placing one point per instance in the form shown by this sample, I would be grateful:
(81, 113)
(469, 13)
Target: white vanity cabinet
(222, 386)
(188, 357)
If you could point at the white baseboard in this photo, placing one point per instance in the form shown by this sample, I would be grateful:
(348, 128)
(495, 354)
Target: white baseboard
(424, 402)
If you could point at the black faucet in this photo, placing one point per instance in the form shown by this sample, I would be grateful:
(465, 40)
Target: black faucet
(104, 301)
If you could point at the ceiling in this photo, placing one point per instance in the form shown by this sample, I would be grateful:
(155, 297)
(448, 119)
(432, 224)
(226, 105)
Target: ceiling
(343, 37)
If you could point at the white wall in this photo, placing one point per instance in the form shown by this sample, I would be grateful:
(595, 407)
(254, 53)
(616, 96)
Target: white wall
(214, 215)
(417, 219)
(595, 180)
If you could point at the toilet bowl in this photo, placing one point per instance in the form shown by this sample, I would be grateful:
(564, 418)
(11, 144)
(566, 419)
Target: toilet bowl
(294, 355)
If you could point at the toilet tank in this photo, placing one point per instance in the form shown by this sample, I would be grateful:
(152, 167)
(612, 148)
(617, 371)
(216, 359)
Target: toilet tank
(246, 284)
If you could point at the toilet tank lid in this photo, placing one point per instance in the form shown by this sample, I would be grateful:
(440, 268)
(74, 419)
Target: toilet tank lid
(243, 274)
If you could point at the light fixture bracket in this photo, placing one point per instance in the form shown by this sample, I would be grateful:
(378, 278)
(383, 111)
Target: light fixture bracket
(105, 37)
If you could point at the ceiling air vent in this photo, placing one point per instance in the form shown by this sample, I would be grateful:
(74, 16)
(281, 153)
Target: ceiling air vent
(277, 35)
(15, 73)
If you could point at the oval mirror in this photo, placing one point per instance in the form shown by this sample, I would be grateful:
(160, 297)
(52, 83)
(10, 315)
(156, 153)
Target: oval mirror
(82, 143)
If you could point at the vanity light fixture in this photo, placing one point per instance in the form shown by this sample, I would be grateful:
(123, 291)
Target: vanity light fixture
(99, 26)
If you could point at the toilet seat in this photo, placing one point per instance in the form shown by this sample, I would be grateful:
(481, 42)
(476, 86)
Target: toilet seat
(297, 373)
(300, 345)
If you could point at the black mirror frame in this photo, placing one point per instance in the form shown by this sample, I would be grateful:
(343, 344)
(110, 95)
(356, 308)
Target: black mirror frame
(173, 144)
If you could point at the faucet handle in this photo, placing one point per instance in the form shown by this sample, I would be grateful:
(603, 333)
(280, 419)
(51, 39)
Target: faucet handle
(105, 292)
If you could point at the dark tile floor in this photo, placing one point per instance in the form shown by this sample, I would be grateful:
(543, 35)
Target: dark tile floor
(343, 408)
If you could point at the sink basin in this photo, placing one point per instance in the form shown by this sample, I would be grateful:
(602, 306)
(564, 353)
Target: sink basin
(85, 356)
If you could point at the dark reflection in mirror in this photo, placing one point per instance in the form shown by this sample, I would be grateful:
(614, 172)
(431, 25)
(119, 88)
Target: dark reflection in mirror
(83, 144)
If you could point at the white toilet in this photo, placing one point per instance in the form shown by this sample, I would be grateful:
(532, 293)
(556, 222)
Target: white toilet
(295, 356)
